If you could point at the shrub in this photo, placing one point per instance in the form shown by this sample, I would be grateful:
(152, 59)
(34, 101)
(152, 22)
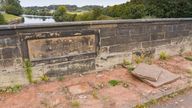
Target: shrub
(12, 89)
(75, 104)
(44, 78)
(138, 59)
(163, 55)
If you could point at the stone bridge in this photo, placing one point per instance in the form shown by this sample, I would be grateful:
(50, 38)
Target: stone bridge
(57, 49)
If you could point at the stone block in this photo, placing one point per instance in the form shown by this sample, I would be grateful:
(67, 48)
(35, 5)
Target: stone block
(108, 32)
(157, 36)
(123, 32)
(11, 41)
(155, 43)
(140, 37)
(166, 77)
(149, 72)
(60, 69)
(125, 47)
(7, 53)
(2, 43)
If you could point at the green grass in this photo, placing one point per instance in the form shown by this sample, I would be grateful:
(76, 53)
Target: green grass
(114, 82)
(9, 17)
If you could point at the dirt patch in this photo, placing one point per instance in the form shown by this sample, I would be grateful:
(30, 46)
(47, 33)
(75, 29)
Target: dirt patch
(96, 91)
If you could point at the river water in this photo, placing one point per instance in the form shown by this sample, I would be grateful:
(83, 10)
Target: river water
(29, 19)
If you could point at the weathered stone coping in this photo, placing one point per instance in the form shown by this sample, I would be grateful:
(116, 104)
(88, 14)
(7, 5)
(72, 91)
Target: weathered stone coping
(89, 23)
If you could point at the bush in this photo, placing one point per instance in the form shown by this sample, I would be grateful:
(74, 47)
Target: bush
(114, 82)
(163, 55)
(87, 16)
(13, 7)
(2, 20)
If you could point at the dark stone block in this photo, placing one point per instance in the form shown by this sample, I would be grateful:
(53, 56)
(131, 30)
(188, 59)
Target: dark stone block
(123, 32)
(140, 37)
(108, 32)
(170, 35)
(138, 29)
(109, 41)
(156, 28)
(155, 43)
(183, 33)
(179, 27)
(7, 32)
(176, 34)
(6, 63)
(70, 68)
(156, 36)
(7, 53)
(2, 43)
(125, 47)
(11, 41)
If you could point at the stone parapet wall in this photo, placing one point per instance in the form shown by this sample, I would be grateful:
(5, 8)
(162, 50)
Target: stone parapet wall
(58, 49)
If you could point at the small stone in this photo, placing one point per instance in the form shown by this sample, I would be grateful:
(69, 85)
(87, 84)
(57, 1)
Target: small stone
(176, 102)
(82, 97)
(181, 100)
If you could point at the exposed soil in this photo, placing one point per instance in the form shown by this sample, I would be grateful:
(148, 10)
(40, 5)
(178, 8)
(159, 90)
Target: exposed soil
(93, 90)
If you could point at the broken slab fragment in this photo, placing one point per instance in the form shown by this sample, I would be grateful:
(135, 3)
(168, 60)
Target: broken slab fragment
(166, 77)
(149, 72)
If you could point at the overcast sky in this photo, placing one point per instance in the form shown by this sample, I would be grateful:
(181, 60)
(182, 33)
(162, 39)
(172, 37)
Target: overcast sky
(72, 2)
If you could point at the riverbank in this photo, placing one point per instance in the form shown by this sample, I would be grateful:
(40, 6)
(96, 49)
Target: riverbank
(12, 19)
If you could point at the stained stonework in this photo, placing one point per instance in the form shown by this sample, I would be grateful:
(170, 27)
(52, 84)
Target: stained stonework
(61, 47)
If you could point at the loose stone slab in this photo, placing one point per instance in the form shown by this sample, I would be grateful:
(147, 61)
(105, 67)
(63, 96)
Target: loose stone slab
(79, 89)
(149, 72)
(166, 77)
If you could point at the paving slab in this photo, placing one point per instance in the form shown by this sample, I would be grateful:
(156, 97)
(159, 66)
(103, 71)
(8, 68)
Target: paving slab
(79, 89)
(166, 77)
(149, 72)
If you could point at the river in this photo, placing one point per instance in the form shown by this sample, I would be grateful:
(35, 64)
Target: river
(28, 19)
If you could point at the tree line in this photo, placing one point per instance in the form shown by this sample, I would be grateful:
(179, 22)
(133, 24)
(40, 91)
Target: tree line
(134, 9)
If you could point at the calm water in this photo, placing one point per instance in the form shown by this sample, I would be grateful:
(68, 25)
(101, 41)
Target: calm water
(28, 19)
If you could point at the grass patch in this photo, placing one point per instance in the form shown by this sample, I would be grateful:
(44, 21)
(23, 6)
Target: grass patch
(114, 82)
(163, 55)
(44, 78)
(8, 17)
(188, 58)
(12, 89)
(75, 104)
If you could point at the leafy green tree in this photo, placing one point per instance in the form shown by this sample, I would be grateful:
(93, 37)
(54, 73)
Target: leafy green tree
(97, 12)
(13, 7)
(60, 14)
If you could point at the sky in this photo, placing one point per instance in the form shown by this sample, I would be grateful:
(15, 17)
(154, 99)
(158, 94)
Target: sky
(71, 2)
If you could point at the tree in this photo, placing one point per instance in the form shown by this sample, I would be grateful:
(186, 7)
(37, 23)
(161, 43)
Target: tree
(169, 8)
(60, 14)
(97, 12)
(13, 7)
(2, 20)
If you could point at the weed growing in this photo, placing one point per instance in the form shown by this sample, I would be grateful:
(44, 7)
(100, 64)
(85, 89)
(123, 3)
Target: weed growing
(75, 104)
(13, 89)
(28, 70)
(114, 82)
(163, 55)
